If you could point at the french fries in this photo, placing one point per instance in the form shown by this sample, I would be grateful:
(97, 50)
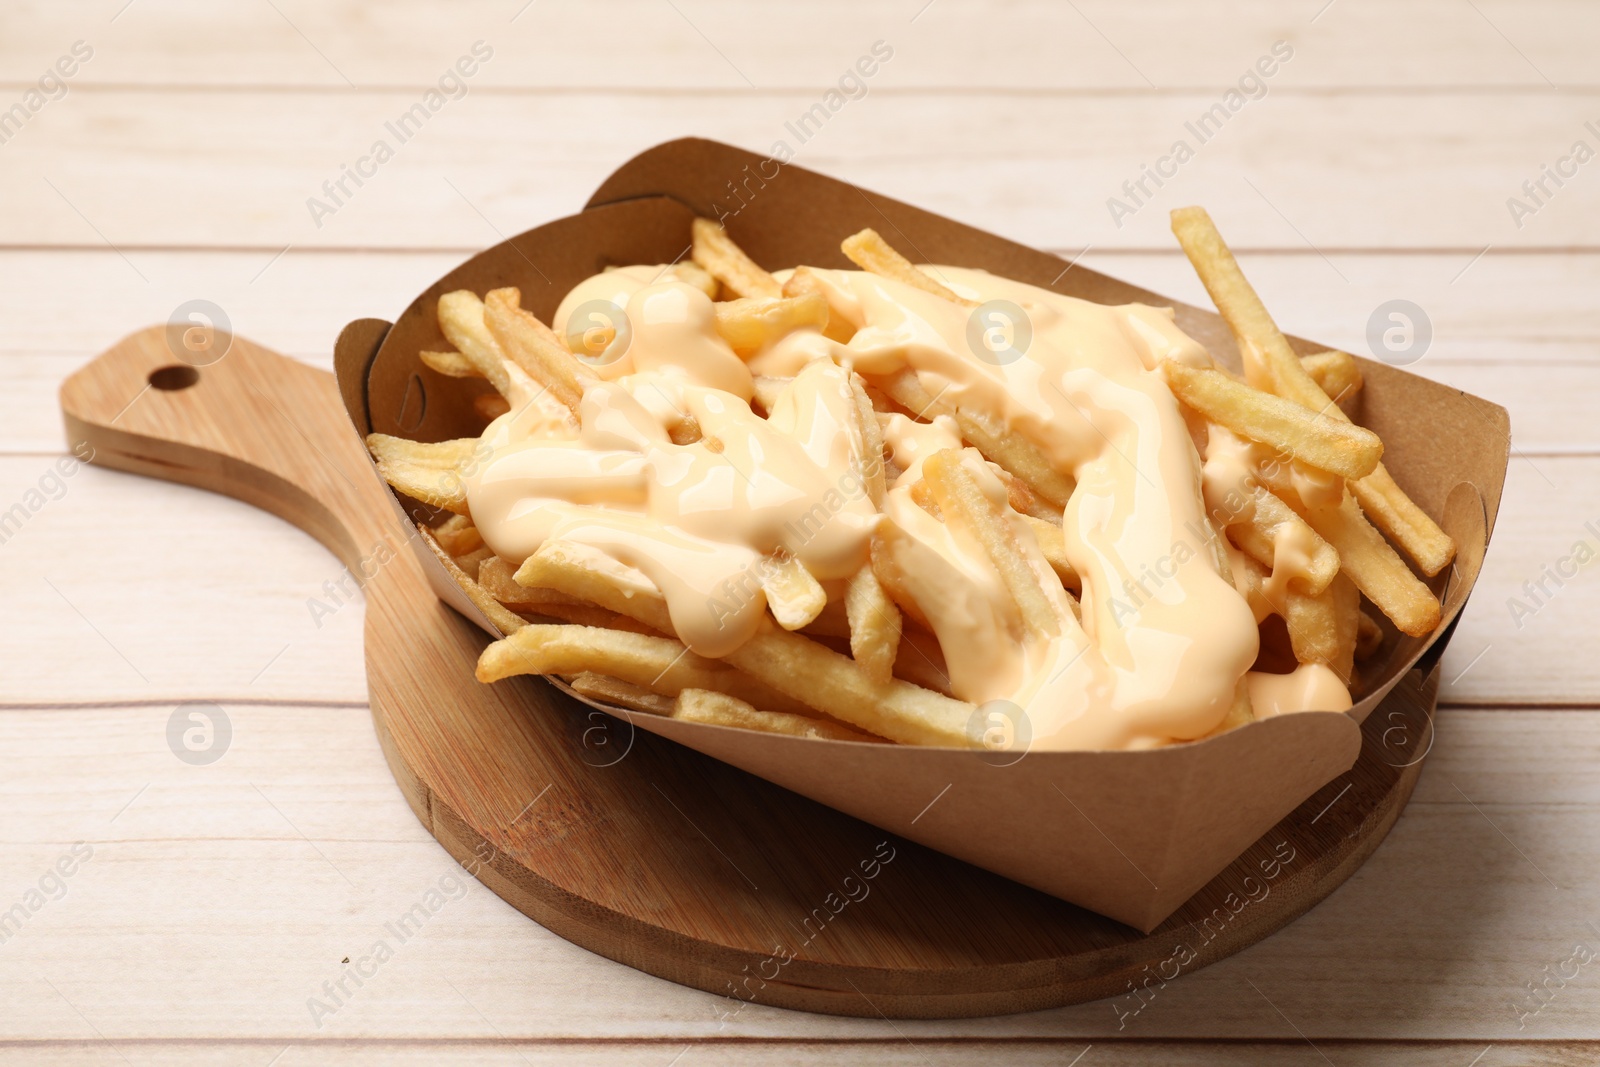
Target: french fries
(1270, 364)
(831, 683)
(804, 281)
(429, 473)
(725, 261)
(874, 625)
(1335, 373)
(753, 322)
(503, 618)
(1016, 455)
(609, 690)
(537, 350)
(859, 658)
(1328, 444)
(793, 595)
(461, 318)
(720, 709)
(873, 254)
(450, 364)
(1375, 568)
(958, 493)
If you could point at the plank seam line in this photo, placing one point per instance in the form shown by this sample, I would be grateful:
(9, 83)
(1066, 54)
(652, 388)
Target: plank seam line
(162, 702)
(1058, 92)
(1055, 250)
(787, 1040)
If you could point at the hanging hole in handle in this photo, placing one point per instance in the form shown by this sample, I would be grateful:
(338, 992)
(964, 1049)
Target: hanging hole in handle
(172, 378)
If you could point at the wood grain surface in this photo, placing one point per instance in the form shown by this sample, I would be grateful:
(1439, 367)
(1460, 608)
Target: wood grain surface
(1381, 162)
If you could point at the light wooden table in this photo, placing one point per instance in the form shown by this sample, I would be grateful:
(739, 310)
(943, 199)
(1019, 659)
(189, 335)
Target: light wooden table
(218, 899)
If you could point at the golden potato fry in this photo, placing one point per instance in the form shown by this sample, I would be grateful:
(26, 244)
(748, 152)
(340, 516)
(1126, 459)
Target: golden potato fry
(793, 595)
(1376, 569)
(720, 709)
(1271, 364)
(588, 615)
(1396, 514)
(609, 690)
(535, 348)
(659, 664)
(725, 261)
(753, 322)
(457, 535)
(868, 459)
(451, 364)
(869, 251)
(1346, 599)
(496, 576)
(502, 618)
(1016, 456)
(431, 473)
(461, 318)
(803, 280)
(1024, 501)
(1335, 373)
(962, 499)
(1328, 444)
(1267, 521)
(692, 273)
(1053, 543)
(472, 561)
(1315, 623)
(837, 685)
(560, 566)
(874, 625)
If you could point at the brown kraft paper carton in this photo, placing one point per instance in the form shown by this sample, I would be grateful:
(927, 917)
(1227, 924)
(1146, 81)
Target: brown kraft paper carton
(1150, 827)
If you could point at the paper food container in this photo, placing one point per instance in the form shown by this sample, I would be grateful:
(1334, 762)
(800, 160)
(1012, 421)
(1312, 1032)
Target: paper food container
(1155, 826)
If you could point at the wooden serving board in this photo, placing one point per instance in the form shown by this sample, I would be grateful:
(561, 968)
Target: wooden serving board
(654, 855)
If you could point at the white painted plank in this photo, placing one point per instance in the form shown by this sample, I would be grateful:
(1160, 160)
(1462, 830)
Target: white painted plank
(127, 588)
(1091, 45)
(1289, 171)
(219, 899)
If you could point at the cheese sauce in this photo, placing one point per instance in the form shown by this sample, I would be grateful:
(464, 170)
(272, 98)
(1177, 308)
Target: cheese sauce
(1164, 639)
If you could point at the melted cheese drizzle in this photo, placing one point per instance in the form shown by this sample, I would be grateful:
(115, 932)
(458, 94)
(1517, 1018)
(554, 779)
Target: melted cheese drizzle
(1164, 640)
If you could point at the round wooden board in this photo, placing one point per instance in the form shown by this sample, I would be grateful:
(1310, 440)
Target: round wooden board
(652, 854)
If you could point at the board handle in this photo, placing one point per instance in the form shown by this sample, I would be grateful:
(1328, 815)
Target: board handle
(220, 413)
